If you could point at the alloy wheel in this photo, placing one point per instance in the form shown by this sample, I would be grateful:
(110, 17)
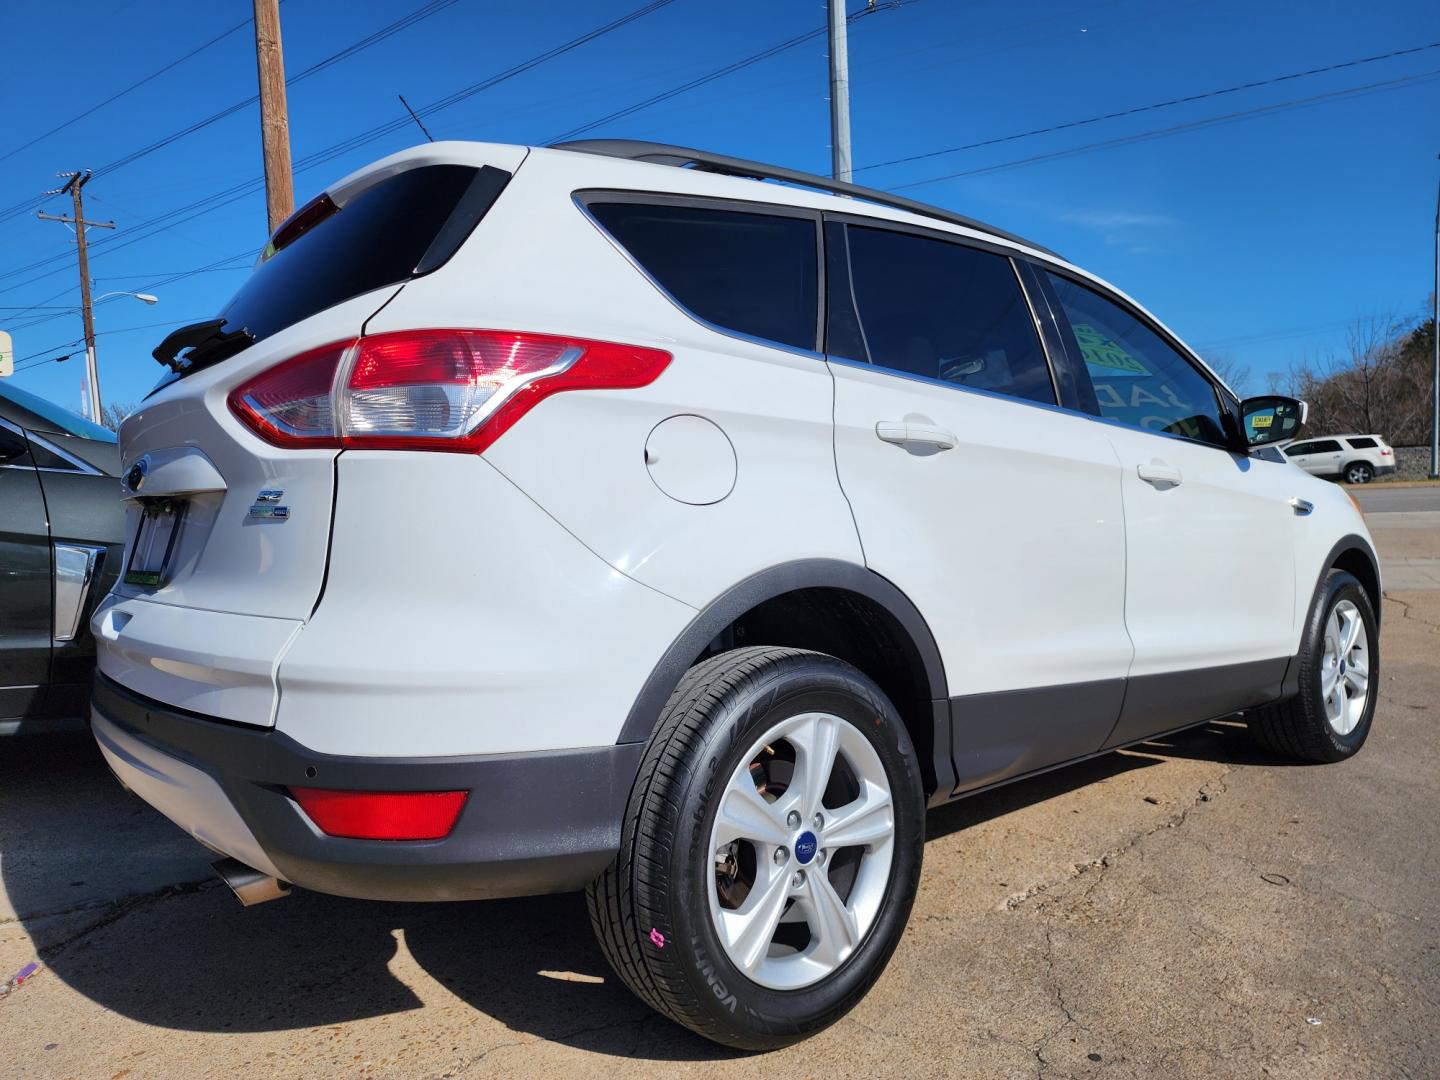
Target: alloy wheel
(1345, 668)
(803, 842)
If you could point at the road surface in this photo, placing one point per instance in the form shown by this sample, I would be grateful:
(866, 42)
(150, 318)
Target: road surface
(1188, 908)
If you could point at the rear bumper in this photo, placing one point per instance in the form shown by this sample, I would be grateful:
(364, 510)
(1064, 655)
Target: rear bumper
(534, 823)
(1385, 470)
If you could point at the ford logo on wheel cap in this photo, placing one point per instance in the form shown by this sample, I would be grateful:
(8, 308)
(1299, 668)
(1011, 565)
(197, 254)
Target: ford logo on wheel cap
(805, 845)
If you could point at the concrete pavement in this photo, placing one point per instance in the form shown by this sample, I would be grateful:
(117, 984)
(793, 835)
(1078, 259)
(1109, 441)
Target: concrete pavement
(1188, 908)
(1384, 499)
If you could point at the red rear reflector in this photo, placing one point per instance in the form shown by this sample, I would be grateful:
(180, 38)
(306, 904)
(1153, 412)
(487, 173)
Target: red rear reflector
(382, 815)
(1384, 453)
(456, 390)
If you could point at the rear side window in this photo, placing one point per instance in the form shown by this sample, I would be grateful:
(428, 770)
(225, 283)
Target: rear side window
(755, 274)
(377, 238)
(1362, 444)
(1139, 379)
(945, 311)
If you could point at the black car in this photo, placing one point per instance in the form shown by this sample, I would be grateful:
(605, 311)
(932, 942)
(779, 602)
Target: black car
(61, 541)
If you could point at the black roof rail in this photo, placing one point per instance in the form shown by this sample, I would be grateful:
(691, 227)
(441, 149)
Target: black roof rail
(684, 156)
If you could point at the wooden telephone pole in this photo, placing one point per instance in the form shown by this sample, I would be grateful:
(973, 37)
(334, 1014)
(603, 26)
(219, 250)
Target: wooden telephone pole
(73, 185)
(274, 113)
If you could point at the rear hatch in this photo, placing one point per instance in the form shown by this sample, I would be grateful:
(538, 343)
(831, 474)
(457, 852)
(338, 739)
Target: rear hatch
(222, 524)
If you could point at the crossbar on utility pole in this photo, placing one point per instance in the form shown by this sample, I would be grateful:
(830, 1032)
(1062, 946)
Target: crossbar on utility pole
(73, 185)
(274, 113)
(839, 93)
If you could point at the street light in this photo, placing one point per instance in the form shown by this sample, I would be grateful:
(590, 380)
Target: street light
(143, 297)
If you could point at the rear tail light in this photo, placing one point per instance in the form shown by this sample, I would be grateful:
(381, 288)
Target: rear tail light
(456, 390)
(382, 815)
(1384, 451)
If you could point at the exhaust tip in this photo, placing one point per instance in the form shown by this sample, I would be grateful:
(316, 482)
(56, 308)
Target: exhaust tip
(249, 885)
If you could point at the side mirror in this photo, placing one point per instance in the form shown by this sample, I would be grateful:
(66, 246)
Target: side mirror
(1271, 419)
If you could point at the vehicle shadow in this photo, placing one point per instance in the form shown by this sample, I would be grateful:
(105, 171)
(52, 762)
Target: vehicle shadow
(168, 947)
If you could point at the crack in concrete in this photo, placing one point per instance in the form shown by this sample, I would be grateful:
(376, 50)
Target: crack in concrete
(1405, 607)
(1207, 792)
(638, 1023)
(118, 909)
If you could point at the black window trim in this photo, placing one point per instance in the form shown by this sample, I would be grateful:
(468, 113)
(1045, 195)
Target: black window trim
(584, 197)
(1226, 402)
(1009, 254)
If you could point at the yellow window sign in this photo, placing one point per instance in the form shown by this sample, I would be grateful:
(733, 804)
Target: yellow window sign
(1261, 421)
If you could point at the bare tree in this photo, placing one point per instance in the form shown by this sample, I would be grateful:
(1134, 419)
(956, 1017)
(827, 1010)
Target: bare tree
(1235, 374)
(113, 413)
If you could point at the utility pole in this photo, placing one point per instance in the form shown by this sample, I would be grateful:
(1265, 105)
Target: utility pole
(839, 93)
(73, 186)
(274, 113)
(1435, 343)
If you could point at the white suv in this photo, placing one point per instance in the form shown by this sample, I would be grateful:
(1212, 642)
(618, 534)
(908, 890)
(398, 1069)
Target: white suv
(538, 519)
(1356, 459)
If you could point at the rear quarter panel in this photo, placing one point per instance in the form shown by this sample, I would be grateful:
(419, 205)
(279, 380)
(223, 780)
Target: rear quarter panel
(538, 263)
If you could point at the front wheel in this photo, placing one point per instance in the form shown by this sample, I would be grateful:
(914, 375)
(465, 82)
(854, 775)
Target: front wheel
(770, 850)
(1359, 472)
(1339, 670)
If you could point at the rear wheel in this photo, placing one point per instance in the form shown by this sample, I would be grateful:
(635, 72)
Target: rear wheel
(770, 851)
(1359, 472)
(1339, 667)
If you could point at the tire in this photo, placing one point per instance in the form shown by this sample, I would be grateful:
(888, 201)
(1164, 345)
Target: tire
(1304, 726)
(657, 909)
(1359, 472)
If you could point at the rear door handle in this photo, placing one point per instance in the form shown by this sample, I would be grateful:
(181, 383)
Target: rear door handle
(1158, 472)
(915, 435)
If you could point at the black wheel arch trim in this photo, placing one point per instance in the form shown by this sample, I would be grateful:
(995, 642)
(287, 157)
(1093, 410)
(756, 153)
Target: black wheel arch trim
(1347, 543)
(766, 585)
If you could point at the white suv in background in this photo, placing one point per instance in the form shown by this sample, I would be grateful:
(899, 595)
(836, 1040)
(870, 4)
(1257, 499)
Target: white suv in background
(537, 519)
(1356, 459)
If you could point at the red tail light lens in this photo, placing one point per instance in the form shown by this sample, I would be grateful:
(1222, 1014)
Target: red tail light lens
(456, 390)
(1384, 451)
(382, 815)
(292, 403)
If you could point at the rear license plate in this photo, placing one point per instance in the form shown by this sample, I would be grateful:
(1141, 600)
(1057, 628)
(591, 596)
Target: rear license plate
(159, 526)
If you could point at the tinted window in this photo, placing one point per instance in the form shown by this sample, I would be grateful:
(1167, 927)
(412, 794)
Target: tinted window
(13, 448)
(946, 311)
(1324, 446)
(1362, 444)
(752, 273)
(375, 239)
(1139, 379)
(1297, 449)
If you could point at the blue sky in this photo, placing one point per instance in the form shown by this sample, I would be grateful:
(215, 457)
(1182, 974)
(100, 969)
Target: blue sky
(1259, 238)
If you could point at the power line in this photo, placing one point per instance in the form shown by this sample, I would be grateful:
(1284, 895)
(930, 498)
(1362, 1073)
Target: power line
(1174, 129)
(80, 341)
(133, 86)
(719, 73)
(420, 14)
(185, 213)
(1136, 110)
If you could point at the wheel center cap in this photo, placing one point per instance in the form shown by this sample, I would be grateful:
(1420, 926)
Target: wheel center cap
(1342, 667)
(805, 847)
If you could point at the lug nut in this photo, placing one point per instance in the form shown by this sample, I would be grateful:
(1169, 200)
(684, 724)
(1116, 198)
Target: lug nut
(781, 856)
(793, 818)
(799, 879)
(819, 821)
(820, 858)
